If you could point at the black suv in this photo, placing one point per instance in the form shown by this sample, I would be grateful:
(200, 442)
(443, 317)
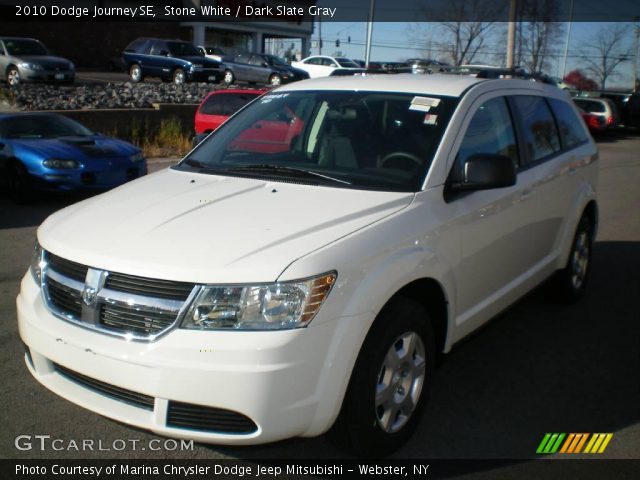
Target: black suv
(171, 60)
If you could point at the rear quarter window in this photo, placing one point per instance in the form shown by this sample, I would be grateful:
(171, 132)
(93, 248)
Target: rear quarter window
(591, 107)
(571, 128)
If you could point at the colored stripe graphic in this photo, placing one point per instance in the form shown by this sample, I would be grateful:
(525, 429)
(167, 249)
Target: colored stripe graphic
(574, 443)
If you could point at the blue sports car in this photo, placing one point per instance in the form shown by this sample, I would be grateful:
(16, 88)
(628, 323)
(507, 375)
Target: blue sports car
(50, 152)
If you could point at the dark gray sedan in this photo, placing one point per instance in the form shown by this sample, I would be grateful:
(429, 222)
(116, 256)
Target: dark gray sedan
(260, 68)
(27, 59)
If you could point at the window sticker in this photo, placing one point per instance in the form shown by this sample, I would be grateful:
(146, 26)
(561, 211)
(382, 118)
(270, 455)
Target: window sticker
(268, 98)
(430, 119)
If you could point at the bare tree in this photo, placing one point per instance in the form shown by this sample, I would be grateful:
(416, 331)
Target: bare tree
(606, 52)
(540, 31)
(467, 28)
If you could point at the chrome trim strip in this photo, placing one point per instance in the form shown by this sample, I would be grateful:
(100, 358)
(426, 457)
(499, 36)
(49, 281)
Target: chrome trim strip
(137, 303)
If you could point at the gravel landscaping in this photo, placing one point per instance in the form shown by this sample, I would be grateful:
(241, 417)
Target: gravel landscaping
(111, 95)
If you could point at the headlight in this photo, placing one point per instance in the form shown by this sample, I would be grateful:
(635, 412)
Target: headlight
(137, 157)
(62, 164)
(31, 66)
(37, 262)
(276, 306)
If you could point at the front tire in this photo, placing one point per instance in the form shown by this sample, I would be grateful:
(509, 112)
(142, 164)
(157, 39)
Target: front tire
(13, 77)
(389, 384)
(275, 79)
(179, 77)
(570, 283)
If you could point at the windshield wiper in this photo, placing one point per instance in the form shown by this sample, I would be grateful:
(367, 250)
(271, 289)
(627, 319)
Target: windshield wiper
(289, 171)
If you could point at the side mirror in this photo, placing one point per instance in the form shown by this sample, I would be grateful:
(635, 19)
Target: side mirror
(483, 171)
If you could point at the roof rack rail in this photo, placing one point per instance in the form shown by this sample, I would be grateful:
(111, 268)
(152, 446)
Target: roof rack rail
(490, 72)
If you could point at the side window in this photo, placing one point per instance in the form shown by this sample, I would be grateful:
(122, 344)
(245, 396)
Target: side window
(490, 131)
(242, 58)
(572, 129)
(256, 60)
(313, 61)
(540, 132)
(157, 47)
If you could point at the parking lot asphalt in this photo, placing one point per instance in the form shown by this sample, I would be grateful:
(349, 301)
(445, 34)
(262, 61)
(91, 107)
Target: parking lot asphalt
(538, 367)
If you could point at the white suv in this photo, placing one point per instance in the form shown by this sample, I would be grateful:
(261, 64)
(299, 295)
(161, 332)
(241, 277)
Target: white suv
(299, 271)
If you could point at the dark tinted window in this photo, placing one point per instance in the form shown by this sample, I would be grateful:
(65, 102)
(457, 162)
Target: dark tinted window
(314, 61)
(183, 49)
(242, 58)
(138, 46)
(225, 104)
(590, 106)
(571, 128)
(490, 131)
(256, 60)
(540, 132)
(159, 47)
(18, 47)
(41, 126)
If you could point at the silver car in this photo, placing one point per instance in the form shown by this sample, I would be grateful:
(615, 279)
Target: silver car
(27, 59)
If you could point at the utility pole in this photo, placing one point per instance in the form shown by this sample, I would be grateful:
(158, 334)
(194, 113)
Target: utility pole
(367, 51)
(320, 35)
(566, 45)
(635, 54)
(511, 33)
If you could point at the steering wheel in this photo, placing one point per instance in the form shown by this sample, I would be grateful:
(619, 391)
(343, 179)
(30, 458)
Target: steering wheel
(400, 155)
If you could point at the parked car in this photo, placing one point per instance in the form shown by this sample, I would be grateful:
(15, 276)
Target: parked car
(214, 53)
(323, 66)
(601, 107)
(170, 60)
(260, 68)
(251, 294)
(50, 152)
(421, 65)
(633, 111)
(27, 60)
(219, 105)
(595, 123)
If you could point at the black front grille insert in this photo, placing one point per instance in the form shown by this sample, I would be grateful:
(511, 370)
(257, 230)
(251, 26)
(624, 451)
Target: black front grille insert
(127, 396)
(197, 417)
(27, 352)
(67, 267)
(65, 299)
(148, 286)
(139, 321)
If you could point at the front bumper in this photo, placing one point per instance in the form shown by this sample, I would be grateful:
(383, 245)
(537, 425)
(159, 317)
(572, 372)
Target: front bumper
(288, 383)
(47, 75)
(90, 179)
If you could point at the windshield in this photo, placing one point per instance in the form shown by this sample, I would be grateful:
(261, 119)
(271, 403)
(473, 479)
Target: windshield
(366, 140)
(41, 126)
(347, 63)
(273, 60)
(22, 47)
(183, 49)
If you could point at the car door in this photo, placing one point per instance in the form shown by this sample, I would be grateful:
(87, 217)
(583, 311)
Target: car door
(259, 73)
(241, 68)
(328, 66)
(157, 64)
(494, 226)
(313, 66)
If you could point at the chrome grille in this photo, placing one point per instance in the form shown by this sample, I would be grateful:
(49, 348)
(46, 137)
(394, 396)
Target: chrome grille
(65, 298)
(148, 286)
(136, 308)
(140, 321)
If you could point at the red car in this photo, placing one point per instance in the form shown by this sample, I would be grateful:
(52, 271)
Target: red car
(220, 105)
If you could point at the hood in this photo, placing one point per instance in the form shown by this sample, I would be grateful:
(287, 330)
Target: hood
(210, 229)
(48, 62)
(78, 148)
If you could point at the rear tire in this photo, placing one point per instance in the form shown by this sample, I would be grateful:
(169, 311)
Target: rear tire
(228, 77)
(389, 384)
(570, 283)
